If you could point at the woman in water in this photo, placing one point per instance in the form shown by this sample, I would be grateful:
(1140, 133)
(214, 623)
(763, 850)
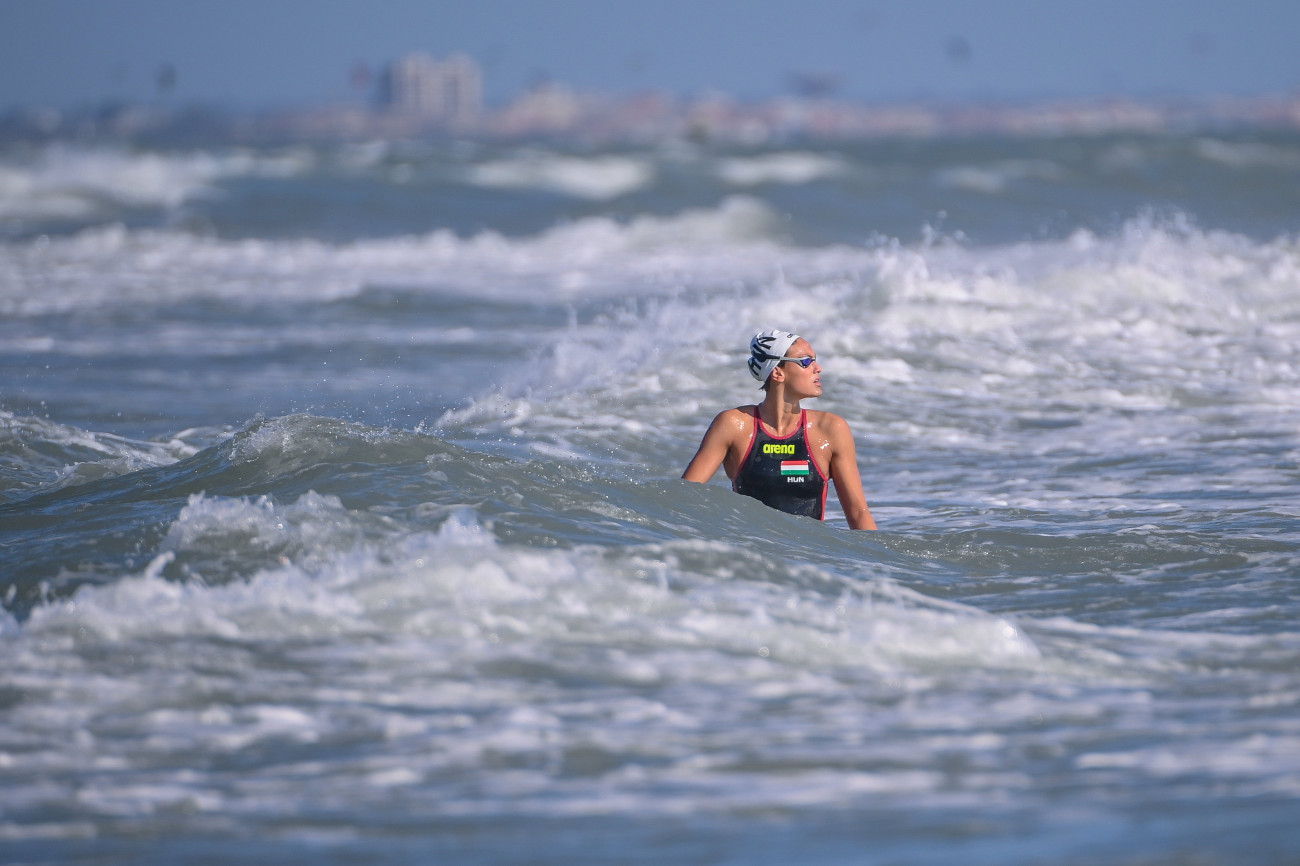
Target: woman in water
(778, 452)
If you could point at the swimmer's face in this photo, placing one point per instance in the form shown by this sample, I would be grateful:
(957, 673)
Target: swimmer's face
(804, 379)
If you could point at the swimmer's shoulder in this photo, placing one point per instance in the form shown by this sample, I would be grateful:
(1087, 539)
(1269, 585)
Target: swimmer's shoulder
(735, 423)
(827, 424)
(740, 417)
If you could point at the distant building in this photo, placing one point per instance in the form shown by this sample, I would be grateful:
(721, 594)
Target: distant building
(445, 93)
(547, 109)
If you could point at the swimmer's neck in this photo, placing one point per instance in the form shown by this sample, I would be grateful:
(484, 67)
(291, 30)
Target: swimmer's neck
(779, 413)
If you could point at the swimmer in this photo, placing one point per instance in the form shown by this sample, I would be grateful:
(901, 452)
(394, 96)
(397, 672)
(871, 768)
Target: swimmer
(778, 452)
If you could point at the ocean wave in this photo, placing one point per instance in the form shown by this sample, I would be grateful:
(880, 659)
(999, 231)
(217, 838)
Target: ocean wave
(39, 455)
(1160, 316)
(405, 533)
(1164, 260)
(65, 183)
(994, 195)
(1053, 320)
(259, 613)
(995, 178)
(1247, 154)
(451, 569)
(114, 265)
(597, 178)
(793, 168)
(1148, 339)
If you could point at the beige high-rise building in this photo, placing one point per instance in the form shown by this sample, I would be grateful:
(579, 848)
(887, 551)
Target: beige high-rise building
(446, 93)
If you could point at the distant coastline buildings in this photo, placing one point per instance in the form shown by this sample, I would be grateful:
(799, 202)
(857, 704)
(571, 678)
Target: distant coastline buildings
(422, 96)
(445, 94)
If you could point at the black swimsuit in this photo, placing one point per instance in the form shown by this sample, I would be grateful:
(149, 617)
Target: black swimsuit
(781, 473)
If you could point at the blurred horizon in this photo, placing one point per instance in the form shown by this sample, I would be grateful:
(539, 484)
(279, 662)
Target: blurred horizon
(240, 55)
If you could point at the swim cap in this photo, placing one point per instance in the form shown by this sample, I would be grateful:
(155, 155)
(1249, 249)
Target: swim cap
(766, 351)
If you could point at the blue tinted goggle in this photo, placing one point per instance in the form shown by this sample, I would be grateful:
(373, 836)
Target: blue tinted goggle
(805, 362)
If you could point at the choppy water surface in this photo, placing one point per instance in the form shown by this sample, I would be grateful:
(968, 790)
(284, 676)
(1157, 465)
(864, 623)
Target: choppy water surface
(341, 519)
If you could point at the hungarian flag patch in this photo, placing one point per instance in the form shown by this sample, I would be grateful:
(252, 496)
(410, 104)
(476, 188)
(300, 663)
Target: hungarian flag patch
(794, 467)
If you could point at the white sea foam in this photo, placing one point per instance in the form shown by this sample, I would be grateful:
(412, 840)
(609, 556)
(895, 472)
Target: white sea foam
(1085, 322)
(458, 583)
(598, 178)
(1081, 322)
(445, 651)
(39, 455)
(995, 178)
(115, 267)
(71, 183)
(1246, 155)
(785, 168)
(1081, 451)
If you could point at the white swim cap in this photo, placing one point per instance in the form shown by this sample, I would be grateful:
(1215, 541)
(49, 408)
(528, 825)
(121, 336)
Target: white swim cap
(766, 351)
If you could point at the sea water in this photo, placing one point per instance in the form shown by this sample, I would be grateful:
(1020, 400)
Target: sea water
(341, 521)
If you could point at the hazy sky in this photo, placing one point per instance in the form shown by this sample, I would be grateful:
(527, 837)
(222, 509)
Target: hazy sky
(265, 53)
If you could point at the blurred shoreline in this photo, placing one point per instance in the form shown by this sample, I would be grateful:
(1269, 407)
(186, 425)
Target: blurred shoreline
(559, 114)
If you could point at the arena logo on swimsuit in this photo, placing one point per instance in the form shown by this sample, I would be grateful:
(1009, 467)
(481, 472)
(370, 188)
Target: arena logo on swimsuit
(777, 448)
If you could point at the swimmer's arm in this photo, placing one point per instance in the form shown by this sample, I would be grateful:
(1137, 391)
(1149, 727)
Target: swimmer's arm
(713, 448)
(844, 472)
